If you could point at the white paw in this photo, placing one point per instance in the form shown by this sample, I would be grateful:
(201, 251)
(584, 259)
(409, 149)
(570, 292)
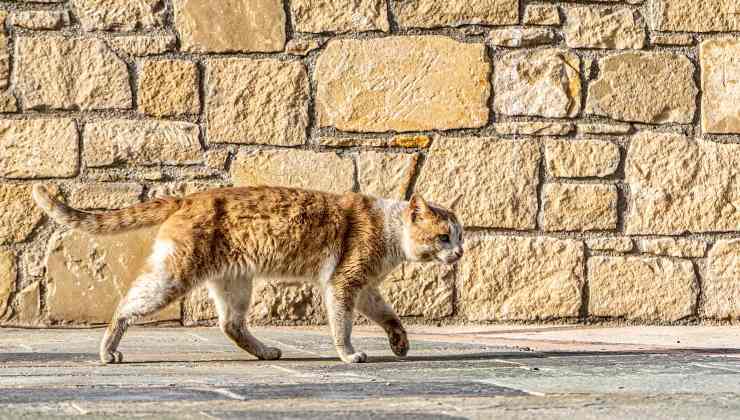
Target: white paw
(111, 357)
(270, 353)
(359, 357)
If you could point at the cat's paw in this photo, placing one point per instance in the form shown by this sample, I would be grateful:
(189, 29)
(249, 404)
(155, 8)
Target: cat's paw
(359, 357)
(270, 353)
(399, 342)
(111, 357)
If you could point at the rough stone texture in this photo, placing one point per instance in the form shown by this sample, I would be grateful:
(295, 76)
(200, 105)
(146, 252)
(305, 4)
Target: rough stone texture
(119, 15)
(587, 128)
(611, 244)
(537, 128)
(513, 278)
(257, 102)
(604, 27)
(720, 84)
(678, 185)
(70, 73)
(386, 175)
(8, 274)
(143, 45)
(105, 195)
(19, 215)
(542, 14)
(672, 39)
(423, 290)
(487, 182)
(721, 286)
(303, 47)
(652, 88)
(437, 13)
(695, 16)
(520, 37)
(403, 84)
(648, 289)
(33, 261)
(168, 87)
(8, 102)
(674, 247)
(87, 276)
(271, 302)
(542, 83)
(339, 15)
(39, 20)
(578, 159)
(294, 168)
(230, 25)
(579, 207)
(141, 142)
(38, 148)
(28, 310)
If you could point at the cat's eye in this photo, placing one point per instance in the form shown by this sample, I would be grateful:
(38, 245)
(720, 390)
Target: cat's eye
(444, 238)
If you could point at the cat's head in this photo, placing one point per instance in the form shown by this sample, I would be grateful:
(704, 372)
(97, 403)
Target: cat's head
(431, 233)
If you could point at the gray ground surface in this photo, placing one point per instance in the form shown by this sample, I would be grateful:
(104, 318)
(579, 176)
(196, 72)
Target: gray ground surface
(452, 373)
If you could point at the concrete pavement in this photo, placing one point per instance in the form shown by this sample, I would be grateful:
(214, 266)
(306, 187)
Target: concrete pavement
(452, 373)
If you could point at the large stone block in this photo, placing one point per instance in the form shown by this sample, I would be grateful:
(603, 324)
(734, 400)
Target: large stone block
(515, 278)
(579, 207)
(437, 13)
(8, 274)
(294, 168)
(721, 286)
(257, 102)
(230, 25)
(408, 83)
(648, 289)
(604, 27)
(678, 185)
(695, 16)
(577, 159)
(422, 290)
(543, 83)
(55, 72)
(339, 15)
(720, 83)
(487, 182)
(384, 174)
(654, 88)
(120, 15)
(87, 276)
(39, 148)
(141, 142)
(19, 215)
(169, 87)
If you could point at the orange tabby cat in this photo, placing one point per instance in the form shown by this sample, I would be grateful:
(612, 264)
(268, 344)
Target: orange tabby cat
(226, 237)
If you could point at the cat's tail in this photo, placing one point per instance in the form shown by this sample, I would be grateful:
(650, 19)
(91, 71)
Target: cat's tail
(141, 215)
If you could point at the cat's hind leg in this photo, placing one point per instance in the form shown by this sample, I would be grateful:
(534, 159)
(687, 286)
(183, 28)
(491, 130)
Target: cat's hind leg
(371, 304)
(158, 285)
(232, 295)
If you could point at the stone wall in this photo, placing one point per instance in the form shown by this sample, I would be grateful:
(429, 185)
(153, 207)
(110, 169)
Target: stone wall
(591, 148)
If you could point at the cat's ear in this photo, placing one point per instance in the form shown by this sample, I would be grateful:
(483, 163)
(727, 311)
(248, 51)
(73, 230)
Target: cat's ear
(418, 207)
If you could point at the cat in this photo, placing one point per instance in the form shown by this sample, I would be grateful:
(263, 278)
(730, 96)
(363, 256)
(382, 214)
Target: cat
(224, 238)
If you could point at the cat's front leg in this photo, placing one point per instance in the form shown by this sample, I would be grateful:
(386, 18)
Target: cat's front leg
(340, 301)
(371, 304)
